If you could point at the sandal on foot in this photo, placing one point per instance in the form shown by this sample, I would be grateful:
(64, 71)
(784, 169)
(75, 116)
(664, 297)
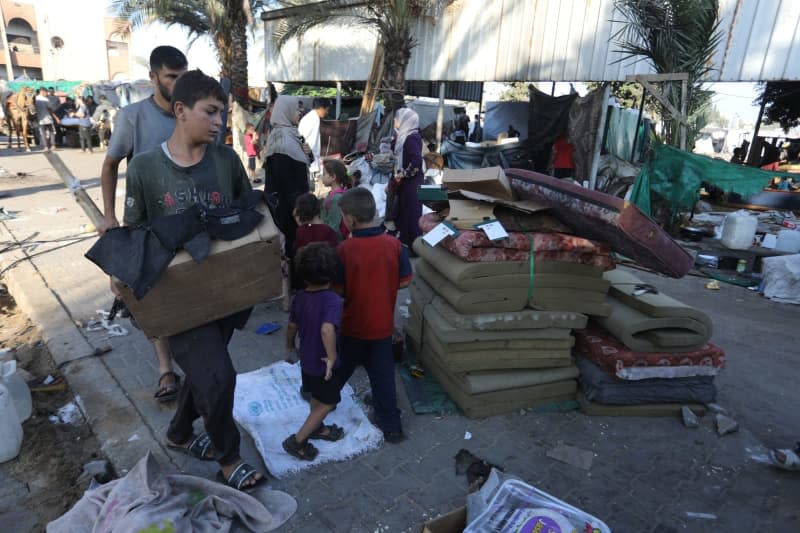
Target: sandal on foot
(330, 433)
(241, 475)
(785, 459)
(304, 451)
(169, 392)
(197, 448)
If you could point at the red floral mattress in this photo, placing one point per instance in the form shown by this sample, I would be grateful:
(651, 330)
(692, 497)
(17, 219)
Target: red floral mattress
(475, 246)
(604, 350)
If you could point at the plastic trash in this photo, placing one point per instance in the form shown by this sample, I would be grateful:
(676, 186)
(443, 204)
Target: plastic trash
(10, 427)
(20, 394)
(739, 230)
(788, 241)
(517, 506)
(267, 328)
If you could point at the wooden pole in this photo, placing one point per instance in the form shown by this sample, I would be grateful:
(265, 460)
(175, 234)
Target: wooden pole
(684, 95)
(373, 81)
(338, 100)
(598, 141)
(440, 117)
(638, 123)
(75, 187)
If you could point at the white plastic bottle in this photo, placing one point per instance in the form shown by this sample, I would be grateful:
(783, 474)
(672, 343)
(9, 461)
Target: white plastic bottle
(10, 427)
(739, 230)
(20, 393)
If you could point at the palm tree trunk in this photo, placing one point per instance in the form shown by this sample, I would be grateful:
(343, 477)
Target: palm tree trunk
(238, 66)
(397, 53)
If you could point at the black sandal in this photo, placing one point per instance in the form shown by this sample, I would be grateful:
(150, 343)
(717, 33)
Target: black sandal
(197, 448)
(304, 451)
(240, 475)
(168, 393)
(330, 433)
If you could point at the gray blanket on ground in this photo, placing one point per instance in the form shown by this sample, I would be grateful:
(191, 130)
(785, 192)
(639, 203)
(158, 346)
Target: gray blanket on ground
(147, 499)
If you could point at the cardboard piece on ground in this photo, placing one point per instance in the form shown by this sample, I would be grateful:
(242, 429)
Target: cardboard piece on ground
(490, 181)
(572, 455)
(452, 522)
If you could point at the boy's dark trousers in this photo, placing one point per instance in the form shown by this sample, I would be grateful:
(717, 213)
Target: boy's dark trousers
(85, 135)
(202, 354)
(377, 358)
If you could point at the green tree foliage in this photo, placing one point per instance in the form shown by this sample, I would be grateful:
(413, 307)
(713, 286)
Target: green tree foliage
(674, 36)
(515, 92)
(782, 100)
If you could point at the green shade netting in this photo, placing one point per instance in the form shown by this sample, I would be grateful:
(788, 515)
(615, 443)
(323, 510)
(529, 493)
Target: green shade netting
(675, 176)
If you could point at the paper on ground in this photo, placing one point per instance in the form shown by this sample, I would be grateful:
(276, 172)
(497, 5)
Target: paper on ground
(267, 404)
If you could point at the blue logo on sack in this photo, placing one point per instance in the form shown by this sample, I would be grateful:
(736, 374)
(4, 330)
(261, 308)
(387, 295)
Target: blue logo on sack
(254, 408)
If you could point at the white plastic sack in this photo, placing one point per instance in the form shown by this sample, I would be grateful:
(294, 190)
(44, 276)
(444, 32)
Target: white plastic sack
(268, 405)
(781, 281)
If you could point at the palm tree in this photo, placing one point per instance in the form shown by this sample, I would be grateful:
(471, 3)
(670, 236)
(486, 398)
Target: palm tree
(390, 19)
(674, 36)
(224, 21)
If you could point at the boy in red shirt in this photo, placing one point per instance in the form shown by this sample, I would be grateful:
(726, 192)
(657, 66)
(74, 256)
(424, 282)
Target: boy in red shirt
(373, 266)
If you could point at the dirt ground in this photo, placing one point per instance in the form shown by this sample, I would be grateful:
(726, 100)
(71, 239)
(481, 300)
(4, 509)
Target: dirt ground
(53, 453)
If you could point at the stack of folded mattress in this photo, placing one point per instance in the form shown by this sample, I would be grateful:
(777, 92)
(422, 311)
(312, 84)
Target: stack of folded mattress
(650, 356)
(486, 332)
(545, 278)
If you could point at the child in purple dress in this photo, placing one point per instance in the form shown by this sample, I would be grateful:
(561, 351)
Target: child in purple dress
(315, 315)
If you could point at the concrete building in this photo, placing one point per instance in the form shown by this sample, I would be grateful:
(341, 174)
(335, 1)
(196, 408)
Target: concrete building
(57, 39)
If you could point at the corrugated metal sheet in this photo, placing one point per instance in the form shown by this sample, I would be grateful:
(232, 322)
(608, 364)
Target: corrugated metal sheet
(542, 40)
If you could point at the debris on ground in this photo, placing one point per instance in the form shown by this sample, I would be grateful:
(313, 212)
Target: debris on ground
(99, 470)
(103, 322)
(268, 328)
(702, 516)
(726, 425)
(572, 455)
(689, 418)
(476, 469)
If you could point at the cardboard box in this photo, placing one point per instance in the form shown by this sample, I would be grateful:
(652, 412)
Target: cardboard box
(490, 181)
(465, 214)
(235, 276)
(453, 522)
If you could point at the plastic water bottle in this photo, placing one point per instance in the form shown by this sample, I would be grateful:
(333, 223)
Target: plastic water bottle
(19, 391)
(10, 427)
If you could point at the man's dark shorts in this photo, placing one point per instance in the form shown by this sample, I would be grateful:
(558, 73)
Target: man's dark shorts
(251, 162)
(327, 392)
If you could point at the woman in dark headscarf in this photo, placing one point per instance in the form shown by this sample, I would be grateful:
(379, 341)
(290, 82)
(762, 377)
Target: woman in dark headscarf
(286, 166)
(408, 175)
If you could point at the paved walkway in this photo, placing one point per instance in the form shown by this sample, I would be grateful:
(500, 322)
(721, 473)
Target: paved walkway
(647, 473)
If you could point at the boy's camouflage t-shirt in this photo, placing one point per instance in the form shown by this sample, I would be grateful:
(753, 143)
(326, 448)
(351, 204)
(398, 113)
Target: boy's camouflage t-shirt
(157, 186)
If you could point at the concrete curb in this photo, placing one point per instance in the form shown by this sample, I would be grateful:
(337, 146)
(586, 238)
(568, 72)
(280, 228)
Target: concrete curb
(108, 410)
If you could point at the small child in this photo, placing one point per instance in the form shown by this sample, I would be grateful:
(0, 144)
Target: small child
(315, 315)
(250, 139)
(336, 177)
(310, 227)
(369, 301)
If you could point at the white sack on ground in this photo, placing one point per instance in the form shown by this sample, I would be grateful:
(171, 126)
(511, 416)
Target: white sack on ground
(267, 404)
(782, 278)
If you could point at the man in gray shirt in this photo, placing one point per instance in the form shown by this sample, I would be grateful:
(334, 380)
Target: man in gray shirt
(46, 117)
(139, 128)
